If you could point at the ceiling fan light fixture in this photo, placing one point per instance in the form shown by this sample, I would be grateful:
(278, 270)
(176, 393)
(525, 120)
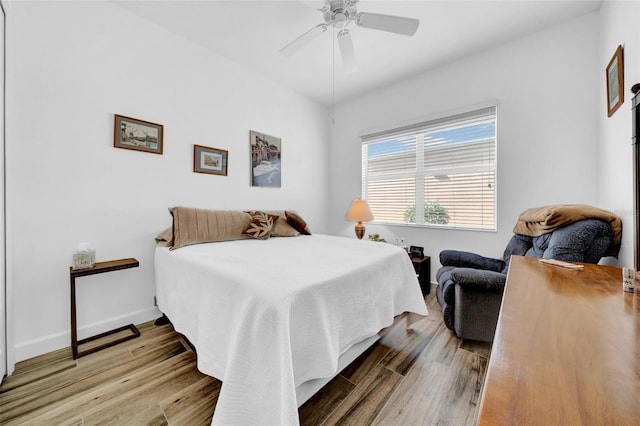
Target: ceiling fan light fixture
(339, 19)
(339, 14)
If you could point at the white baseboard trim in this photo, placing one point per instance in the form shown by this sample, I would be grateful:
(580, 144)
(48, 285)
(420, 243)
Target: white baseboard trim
(42, 345)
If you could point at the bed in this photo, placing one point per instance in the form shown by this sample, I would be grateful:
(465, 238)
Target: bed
(275, 319)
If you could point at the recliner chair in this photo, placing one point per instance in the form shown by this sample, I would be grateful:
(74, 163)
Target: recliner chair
(470, 286)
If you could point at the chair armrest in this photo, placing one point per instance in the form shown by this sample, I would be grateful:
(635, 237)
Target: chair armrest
(477, 280)
(464, 259)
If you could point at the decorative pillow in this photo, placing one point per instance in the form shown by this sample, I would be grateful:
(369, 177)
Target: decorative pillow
(194, 226)
(165, 238)
(260, 226)
(297, 222)
(280, 228)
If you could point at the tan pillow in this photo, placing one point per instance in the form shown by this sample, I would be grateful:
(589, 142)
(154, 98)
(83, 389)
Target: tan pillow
(165, 238)
(297, 222)
(194, 226)
(280, 228)
(260, 226)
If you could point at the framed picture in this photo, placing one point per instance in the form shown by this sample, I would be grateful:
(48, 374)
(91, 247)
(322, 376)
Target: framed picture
(139, 135)
(210, 160)
(266, 160)
(615, 82)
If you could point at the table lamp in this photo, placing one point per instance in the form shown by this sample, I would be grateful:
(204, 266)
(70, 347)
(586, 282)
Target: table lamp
(359, 211)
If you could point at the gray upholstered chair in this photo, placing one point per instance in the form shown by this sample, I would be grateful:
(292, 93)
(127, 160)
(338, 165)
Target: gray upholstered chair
(470, 286)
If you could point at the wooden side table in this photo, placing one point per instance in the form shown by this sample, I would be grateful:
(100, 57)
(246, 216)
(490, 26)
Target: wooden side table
(422, 266)
(99, 268)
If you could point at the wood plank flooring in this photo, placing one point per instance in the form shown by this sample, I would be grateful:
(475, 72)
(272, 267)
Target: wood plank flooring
(423, 376)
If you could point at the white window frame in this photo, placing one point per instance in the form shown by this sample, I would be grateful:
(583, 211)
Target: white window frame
(419, 128)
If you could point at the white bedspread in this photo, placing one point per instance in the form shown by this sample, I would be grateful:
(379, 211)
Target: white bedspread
(266, 316)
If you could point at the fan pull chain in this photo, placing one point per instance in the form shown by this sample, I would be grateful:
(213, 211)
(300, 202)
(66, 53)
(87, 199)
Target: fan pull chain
(333, 75)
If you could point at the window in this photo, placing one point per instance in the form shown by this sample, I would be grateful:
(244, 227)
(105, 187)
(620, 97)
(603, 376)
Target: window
(444, 168)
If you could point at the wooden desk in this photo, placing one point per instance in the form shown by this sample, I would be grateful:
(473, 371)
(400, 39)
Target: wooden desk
(566, 349)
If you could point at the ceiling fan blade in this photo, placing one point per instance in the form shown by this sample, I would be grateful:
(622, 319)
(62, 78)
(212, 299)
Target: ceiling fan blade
(304, 39)
(394, 24)
(347, 52)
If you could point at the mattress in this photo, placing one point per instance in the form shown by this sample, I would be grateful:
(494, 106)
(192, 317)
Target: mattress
(266, 316)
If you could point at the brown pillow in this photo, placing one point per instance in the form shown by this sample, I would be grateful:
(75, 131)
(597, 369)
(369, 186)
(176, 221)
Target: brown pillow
(194, 226)
(280, 228)
(165, 238)
(297, 222)
(260, 226)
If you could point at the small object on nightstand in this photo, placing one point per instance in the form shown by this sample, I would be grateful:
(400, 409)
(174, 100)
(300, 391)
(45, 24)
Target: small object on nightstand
(359, 211)
(84, 257)
(416, 251)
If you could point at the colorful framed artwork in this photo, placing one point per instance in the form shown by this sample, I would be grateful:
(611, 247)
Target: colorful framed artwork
(615, 82)
(266, 160)
(209, 160)
(139, 135)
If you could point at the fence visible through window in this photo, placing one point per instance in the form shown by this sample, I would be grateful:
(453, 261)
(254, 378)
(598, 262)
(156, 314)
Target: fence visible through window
(435, 173)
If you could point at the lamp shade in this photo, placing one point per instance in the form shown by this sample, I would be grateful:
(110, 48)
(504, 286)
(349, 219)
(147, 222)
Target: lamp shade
(359, 211)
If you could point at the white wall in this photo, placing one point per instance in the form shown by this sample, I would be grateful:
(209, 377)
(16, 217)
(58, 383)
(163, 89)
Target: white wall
(3, 305)
(546, 89)
(71, 66)
(620, 22)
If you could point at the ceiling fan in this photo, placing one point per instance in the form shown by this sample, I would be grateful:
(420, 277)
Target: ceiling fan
(340, 14)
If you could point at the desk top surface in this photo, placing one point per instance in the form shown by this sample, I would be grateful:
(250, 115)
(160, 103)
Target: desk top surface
(108, 266)
(566, 349)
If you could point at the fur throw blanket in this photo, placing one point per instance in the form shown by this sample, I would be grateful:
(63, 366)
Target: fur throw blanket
(542, 220)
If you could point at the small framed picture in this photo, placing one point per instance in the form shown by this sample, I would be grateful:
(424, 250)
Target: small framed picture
(615, 82)
(210, 160)
(139, 135)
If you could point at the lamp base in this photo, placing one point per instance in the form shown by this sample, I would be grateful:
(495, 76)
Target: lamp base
(360, 230)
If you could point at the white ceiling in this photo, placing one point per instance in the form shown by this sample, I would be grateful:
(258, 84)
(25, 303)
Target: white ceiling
(252, 32)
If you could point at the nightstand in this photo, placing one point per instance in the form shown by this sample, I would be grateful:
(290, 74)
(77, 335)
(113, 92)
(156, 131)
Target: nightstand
(98, 268)
(422, 266)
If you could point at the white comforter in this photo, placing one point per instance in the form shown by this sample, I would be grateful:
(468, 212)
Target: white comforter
(266, 316)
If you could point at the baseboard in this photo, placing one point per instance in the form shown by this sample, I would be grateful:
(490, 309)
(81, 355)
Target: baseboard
(42, 345)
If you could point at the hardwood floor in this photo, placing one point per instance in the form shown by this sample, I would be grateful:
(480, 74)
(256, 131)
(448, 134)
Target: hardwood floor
(424, 376)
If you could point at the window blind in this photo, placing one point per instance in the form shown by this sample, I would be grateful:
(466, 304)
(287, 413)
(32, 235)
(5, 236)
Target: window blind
(435, 173)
